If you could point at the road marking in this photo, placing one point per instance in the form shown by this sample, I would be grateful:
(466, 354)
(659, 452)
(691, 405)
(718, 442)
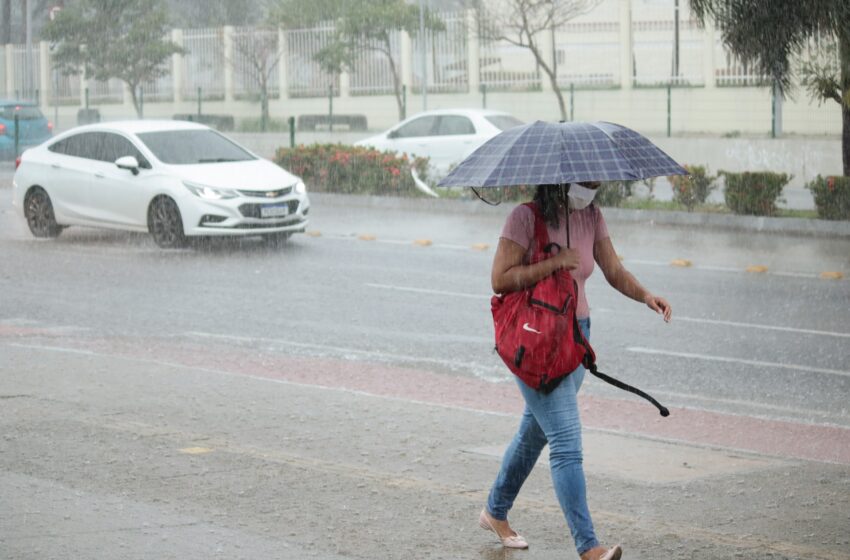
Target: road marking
(765, 327)
(53, 348)
(795, 367)
(195, 450)
(429, 291)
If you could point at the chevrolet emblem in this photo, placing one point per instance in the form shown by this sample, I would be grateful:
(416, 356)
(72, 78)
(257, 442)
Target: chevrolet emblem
(271, 194)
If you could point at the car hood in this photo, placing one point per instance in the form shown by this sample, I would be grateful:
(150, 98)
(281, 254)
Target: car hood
(256, 174)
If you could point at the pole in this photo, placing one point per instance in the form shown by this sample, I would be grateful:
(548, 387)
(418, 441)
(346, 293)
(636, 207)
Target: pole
(199, 102)
(572, 101)
(403, 102)
(773, 111)
(483, 96)
(422, 45)
(331, 108)
(669, 95)
(17, 134)
(291, 132)
(676, 41)
(87, 98)
(28, 82)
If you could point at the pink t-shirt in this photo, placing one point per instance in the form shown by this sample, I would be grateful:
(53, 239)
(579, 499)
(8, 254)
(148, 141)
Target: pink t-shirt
(587, 226)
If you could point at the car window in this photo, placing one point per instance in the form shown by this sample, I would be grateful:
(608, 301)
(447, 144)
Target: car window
(454, 124)
(185, 147)
(423, 126)
(503, 122)
(24, 112)
(111, 146)
(82, 145)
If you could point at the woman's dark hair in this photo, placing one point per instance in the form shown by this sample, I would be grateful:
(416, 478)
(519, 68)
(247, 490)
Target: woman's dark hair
(549, 198)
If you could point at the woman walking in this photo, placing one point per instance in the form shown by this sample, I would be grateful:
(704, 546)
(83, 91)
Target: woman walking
(552, 417)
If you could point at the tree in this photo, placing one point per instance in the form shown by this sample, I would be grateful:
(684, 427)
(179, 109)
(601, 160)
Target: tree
(773, 34)
(259, 49)
(121, 39)
(524, 22)
(360, 26)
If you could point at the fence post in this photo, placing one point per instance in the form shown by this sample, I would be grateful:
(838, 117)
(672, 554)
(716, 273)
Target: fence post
(291, 132)
(177, 67)
(282, 64)
(17, 134)
(199, 101)
(473, 53)
(626, 45)
(10, 70)
(572, 101)
(669, 104)
(228, 64)
(709, 76)
(776, 112)
(406, 61)
(331, 108)
(483, 96)
(403, 101)
(44, 75)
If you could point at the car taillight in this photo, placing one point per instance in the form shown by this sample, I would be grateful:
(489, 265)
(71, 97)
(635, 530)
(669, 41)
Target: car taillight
(2, 129)
(50, 126)
(17, 162)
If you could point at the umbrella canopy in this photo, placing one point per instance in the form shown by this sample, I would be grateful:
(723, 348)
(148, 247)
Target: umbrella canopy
(542, 153)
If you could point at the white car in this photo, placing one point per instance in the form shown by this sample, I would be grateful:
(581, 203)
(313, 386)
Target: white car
(445, 136)
(174, 179)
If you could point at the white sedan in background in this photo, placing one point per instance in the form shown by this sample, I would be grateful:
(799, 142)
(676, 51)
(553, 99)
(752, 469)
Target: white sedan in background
(445, 136)
(174, 179)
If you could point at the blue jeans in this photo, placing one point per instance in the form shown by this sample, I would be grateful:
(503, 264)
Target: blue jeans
(552, 419)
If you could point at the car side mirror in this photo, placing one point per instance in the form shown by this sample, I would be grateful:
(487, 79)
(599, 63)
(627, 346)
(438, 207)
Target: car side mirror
(129, 163)
(392, 134)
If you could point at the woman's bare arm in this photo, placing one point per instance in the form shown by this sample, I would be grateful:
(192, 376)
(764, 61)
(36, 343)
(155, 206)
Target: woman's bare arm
(623, 281)
(509, 274)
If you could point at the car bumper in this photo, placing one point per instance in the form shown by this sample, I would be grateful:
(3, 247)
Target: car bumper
(245, 216)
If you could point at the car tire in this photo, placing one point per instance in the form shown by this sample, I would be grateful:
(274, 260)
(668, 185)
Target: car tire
(276, 239)
(166, 224)
(38, 210)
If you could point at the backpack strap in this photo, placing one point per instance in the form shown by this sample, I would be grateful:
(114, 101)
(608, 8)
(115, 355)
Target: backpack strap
(541, 233)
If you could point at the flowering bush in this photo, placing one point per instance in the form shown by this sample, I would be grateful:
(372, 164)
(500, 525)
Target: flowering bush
(337, 168)
(694, 188)
(832, 197)
(754, 193)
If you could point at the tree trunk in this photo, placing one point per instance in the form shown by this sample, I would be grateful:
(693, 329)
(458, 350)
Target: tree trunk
(135, 99)
(553, 79)
(845, 137)
(396, 81)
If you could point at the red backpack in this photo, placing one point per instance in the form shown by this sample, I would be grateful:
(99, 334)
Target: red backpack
(537, 332)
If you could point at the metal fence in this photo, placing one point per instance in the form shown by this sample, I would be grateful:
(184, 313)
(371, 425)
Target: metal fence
(203, 63)
(586, 54)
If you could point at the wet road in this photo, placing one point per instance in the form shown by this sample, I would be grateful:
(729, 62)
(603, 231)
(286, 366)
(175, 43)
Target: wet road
(757, 355)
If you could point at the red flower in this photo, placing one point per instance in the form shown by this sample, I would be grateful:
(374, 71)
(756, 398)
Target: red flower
(830, 182)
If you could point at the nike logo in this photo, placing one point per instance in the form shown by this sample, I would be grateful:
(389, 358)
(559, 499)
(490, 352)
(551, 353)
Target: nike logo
(525, 327)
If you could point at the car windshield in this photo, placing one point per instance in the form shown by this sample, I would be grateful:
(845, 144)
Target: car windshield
(186, 147)
(503, 122)
(24, 112)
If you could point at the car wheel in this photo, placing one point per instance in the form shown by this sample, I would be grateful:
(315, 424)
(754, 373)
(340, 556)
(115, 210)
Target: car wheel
(166, 224)
(39, 213)
(276, 239)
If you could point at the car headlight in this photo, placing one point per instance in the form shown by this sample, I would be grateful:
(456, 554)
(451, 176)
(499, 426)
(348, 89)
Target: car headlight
(210, 193)
(300, 187)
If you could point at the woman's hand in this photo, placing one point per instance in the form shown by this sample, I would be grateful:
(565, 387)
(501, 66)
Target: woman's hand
(567, 258)
(659, 305)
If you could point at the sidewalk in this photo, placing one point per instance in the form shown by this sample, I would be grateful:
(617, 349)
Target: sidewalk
(338, 459)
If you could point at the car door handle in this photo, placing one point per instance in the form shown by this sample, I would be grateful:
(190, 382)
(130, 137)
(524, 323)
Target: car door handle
(55, 166)
(99, 175)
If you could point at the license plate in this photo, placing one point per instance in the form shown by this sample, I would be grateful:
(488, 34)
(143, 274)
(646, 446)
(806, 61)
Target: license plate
(274, 211)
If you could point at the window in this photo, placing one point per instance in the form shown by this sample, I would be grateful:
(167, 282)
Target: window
(24, 112)
(185, 147)
(503, 122)
(113, 146)
(423, 126)
(451, 125)
(82, 145)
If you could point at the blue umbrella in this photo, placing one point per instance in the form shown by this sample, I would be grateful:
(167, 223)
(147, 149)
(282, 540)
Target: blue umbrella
(542, 153)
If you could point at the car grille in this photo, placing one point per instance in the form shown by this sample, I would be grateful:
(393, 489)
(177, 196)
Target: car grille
(267, 194)
(251, 210)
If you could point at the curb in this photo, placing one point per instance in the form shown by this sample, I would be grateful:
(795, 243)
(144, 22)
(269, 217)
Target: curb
(757, 224)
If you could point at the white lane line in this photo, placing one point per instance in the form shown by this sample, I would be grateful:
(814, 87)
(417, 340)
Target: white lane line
(429, 291)
(724, 359)
(765, 327)
(52, 348)
(481, 371)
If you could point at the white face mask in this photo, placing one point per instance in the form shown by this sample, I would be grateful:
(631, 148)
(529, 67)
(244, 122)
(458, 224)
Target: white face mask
(580, 197)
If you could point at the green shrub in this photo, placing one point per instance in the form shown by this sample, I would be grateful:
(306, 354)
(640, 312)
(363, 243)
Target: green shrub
(694, 188)
(832, 197)
(337, 168)
(754, 193)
